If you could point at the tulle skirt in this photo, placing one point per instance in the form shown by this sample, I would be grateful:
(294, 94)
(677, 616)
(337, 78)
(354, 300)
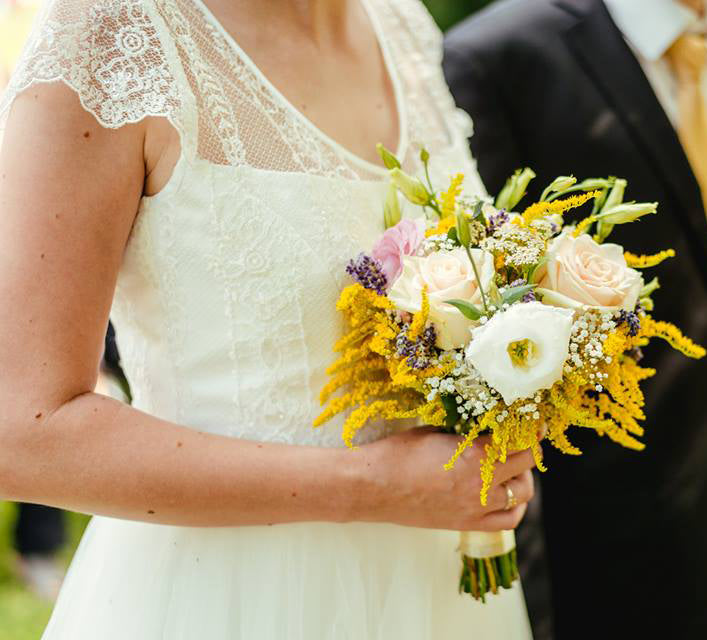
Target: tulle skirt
(311, 581)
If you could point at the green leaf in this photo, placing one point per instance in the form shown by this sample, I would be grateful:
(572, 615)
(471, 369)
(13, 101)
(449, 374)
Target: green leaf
(494, 295)
(452, 235)
(469, 310)
(452, 410)
(534, 269)
(516, 293)
(478, 211)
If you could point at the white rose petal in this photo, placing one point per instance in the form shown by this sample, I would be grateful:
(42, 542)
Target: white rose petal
(547, 331)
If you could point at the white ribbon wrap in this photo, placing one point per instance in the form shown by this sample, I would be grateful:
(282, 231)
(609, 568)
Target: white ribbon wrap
(482, 544)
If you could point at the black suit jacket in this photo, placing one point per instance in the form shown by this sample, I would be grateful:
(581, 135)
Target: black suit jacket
(552, 84)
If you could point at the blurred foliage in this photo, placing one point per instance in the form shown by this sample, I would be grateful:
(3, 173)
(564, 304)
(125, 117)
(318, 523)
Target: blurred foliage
(449, 12)
(22, 615)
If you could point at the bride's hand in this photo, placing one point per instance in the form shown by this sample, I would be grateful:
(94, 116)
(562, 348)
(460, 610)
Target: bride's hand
(411, 487)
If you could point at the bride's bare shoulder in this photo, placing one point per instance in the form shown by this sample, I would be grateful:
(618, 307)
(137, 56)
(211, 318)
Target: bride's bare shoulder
(49, 133)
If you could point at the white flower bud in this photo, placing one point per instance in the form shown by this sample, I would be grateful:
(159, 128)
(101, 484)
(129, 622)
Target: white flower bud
(389, 159)
(515, 188)
(410, 187)
(623, 213)
(391, 209)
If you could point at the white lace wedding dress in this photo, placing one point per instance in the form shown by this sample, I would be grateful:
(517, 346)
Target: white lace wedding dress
(225, 317)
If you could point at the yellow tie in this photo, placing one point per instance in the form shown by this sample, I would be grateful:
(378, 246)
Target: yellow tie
(688, 56)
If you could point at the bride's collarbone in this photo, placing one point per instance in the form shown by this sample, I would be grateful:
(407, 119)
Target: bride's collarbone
(340, 83)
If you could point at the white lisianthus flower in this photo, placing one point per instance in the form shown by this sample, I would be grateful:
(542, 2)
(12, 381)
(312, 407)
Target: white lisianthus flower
(447, 275)
(522, 350)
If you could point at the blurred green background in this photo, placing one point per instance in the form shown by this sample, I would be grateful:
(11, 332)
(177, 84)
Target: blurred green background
(448, 12)
(23, 616)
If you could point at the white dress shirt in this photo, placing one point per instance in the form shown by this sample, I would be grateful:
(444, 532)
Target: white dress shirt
(650, 27)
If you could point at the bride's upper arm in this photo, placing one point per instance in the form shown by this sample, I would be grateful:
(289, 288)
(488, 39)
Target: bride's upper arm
(69, 193)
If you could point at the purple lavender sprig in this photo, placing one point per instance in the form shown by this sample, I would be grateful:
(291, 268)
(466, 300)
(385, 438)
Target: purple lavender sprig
(417, 353)
(631, 319)
(368, 272)
(528, 297)
(496, 221)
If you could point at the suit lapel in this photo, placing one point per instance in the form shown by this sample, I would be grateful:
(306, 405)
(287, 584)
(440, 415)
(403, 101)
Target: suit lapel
(601, 49)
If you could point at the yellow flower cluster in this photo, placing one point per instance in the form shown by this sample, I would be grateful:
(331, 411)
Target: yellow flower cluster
(448, 198)
(584, 225)
(373, 379)
(513, 433)
(557, 207)
(419, 321)
(443, 226)
(379, 385)
(643, 262)
(673, 336)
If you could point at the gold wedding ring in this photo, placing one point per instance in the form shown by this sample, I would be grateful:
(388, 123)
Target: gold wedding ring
(511, 500)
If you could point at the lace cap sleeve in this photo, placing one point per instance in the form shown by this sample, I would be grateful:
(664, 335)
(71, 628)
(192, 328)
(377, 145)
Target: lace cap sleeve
(108, 51)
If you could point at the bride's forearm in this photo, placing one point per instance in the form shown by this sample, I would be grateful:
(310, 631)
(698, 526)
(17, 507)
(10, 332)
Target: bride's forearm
(99, 456)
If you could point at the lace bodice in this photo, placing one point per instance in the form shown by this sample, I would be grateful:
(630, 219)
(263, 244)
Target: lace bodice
(225, 305)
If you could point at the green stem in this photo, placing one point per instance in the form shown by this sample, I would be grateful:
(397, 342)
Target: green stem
(435, 207)
(504, 564)
(427, 176)
(483, 583)
(481, 576)
(478, 279)
(474, 578)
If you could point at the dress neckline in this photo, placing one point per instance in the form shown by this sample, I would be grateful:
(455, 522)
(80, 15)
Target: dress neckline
(390, 69)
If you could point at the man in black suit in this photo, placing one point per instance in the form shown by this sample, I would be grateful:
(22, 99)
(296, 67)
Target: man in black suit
(589, 88)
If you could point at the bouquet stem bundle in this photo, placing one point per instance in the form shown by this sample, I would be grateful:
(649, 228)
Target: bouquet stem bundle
(489, 563)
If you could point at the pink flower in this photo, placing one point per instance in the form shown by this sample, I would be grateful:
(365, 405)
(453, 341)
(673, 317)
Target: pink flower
(403, 239)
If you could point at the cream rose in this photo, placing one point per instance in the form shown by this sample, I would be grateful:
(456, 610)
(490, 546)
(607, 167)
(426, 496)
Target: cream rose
(581, 272)
(447, 275)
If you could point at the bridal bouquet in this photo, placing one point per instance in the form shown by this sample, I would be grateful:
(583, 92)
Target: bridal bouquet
(484, 318)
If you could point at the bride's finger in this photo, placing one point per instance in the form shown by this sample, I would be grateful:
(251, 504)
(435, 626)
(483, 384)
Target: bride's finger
(515, 464)
(503, 520)
(522, 489)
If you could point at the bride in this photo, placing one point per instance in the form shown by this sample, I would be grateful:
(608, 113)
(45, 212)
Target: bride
(201, 170)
